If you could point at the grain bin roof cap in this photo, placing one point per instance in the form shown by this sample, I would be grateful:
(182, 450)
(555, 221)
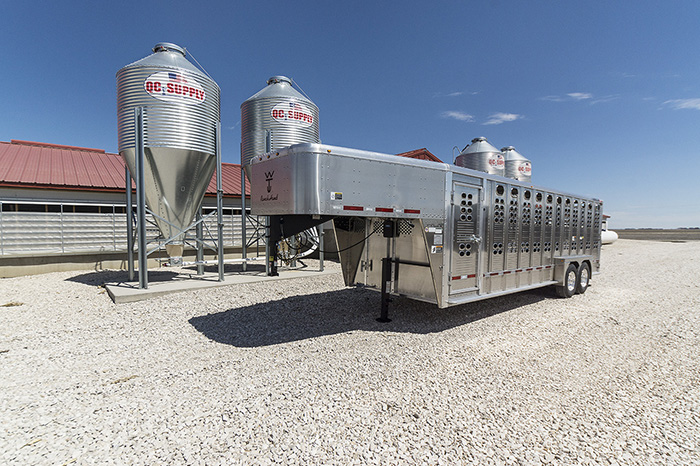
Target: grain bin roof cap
(169, 47)
(479, 145)
(279, 79)
(167, 55)
(510, 154)
(278, 86)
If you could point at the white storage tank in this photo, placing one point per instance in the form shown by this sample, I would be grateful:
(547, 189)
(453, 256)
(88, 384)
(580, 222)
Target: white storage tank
(482, 156)
(517, 166)
(181, 111)
(279, 113)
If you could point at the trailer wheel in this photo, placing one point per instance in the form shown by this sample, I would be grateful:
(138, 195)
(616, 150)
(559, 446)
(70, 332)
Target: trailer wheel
(570, 281)
(584, 278)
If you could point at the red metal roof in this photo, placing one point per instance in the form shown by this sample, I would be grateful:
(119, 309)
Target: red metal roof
(39, 165)
(422, 154)
(52, 166)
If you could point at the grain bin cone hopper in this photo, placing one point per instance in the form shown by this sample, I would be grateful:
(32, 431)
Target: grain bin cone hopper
(181, 110)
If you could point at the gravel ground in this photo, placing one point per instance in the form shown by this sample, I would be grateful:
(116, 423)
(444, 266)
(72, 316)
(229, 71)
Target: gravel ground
(302, 374)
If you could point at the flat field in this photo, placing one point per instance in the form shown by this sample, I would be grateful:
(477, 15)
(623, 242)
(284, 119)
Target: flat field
(660, 235)
(300, 372)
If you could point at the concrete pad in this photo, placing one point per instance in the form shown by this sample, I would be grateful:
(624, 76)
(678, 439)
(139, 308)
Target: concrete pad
(163, 283)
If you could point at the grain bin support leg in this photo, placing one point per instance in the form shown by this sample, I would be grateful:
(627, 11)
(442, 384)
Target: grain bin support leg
(129, 226)
(200, 242)
(244, 249)
(141, 198)
(219, 204)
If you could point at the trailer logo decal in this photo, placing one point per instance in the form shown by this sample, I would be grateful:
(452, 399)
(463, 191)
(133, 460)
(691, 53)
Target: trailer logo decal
(269, 197)
(268, 178)
(174, 87)
(292, 113)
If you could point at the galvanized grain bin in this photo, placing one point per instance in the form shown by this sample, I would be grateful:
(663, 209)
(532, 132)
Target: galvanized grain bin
(278, 113)
(181, 111)
(517, 166)
(482, 156)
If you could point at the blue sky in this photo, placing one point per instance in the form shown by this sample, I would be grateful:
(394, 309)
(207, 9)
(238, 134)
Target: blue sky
(603, 97)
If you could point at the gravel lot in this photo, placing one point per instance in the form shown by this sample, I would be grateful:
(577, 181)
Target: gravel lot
(302, 374)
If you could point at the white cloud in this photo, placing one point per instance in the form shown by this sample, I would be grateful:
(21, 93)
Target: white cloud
(553, 98)
(577, 96)
(606, 98)
(679, 104)
(498, 118)
(580, 95)
(440, 95)
(455, 115)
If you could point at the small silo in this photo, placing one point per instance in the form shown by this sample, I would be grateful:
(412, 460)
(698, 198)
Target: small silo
(482, 156)
(517, 166)
(181, 112)
(279, 114)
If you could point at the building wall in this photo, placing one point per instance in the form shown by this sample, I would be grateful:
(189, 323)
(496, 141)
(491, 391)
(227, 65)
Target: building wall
(45, 230)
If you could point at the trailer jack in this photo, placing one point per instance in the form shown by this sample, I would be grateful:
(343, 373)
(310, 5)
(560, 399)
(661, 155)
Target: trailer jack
(386, 285)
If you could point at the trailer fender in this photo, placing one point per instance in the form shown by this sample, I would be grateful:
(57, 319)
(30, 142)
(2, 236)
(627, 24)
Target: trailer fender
(561, 266)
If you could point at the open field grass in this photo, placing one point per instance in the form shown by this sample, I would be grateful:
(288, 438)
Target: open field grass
(659, 234)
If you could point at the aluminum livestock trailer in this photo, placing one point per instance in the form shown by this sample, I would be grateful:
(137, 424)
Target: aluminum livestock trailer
(430, 231)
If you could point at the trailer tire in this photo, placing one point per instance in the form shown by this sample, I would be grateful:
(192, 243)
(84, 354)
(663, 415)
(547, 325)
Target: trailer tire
(583, 278)
(568, 289)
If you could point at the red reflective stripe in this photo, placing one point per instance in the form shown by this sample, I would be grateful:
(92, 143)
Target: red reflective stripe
(411, 211)
(383, 209)
(471, 275)
(519, 270)
(353, 207)
(457, 278)
(506, 272)
(495, 273)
